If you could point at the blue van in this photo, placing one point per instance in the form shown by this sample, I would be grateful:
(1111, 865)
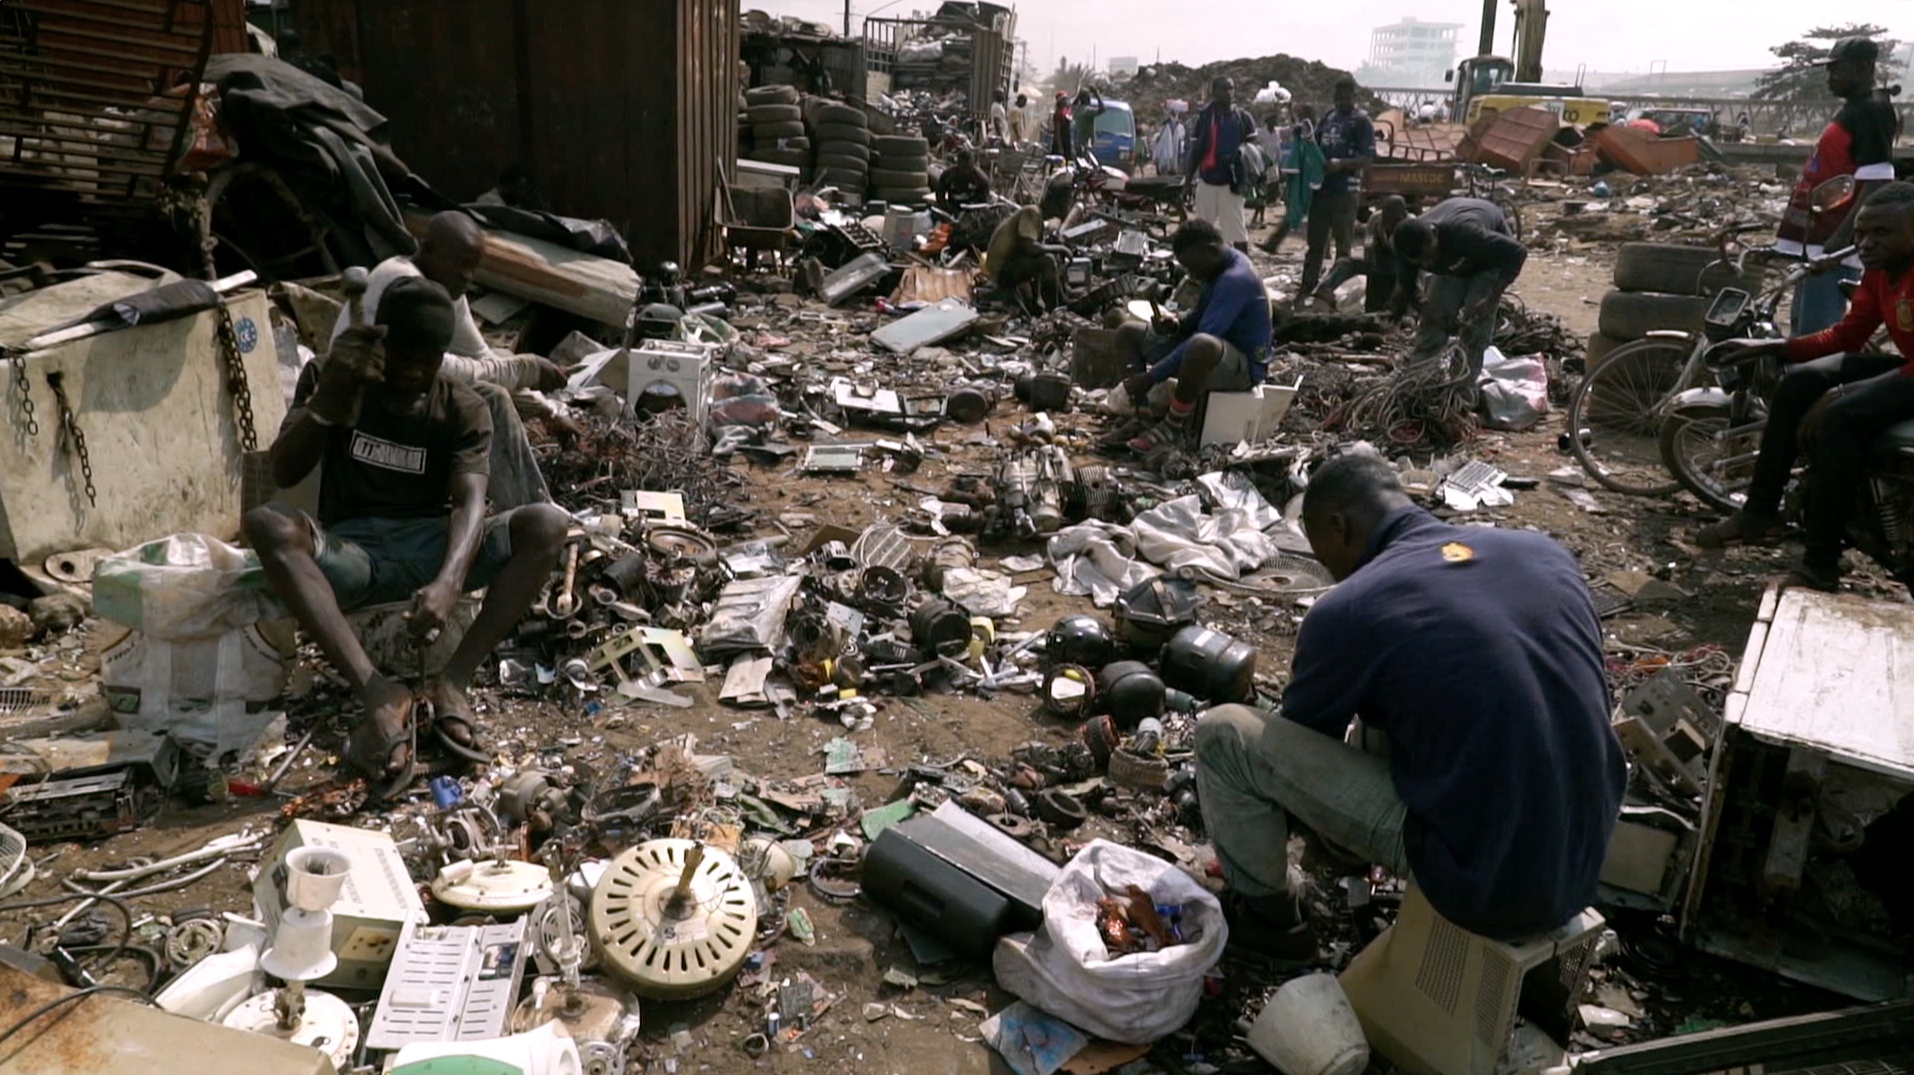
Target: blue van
(1113, 138)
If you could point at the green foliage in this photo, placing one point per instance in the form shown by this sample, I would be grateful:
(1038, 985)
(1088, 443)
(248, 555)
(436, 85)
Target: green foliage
(1801, 76)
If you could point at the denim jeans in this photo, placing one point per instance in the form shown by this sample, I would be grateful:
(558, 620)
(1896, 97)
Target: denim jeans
(1818, 302)
(1255, 769)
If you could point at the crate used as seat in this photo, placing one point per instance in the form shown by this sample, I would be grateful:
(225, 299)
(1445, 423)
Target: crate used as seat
(1435, 998)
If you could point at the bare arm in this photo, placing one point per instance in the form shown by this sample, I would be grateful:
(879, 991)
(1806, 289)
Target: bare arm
(468, 519)
(300, 446)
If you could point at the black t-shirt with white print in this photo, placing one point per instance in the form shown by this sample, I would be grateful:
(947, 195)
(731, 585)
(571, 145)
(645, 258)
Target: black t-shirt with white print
(401, 466)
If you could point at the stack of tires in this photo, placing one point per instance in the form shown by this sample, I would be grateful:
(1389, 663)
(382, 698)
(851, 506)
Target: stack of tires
(900, 169)
(843, 139)
(777, 127)
(1660, 286)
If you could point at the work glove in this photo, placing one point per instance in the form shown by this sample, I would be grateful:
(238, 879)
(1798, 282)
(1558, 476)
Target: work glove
(358, 357)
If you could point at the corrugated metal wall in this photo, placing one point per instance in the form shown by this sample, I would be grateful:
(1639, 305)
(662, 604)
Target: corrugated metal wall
(625, 111)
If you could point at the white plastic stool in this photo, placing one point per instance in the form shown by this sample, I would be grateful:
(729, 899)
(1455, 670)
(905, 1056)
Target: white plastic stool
(1434, 998)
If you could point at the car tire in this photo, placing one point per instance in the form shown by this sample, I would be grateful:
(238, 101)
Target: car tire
(1631, 315)
(1599, 346)
(1672, 269)
(839, 132)
(892, 179)
(772, 132)
(851, 150)
(774, 114)
(902, 145)
(793, 158)
(843, 115)
(771, 95)
(828, 157)
(836, 177)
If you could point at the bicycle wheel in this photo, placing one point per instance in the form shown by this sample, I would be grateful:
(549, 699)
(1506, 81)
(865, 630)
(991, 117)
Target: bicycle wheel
(1613, 419)
(1712, 467)
(1510, 210)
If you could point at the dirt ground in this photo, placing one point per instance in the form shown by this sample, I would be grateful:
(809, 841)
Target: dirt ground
(922, 1032)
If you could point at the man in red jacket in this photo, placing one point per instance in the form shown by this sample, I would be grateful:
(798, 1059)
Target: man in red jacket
(1836, 396)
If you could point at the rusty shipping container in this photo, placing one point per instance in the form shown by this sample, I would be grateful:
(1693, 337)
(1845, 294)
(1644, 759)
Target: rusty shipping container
(620, 110)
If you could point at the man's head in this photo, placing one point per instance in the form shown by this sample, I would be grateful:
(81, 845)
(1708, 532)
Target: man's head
(1884, 229)
(1347, 499)
(417, 315)
(1416, 242)
(450, 252)
(1222, 92)
(1851, 66)
(1200, 249)
(1023, 99)
(966, 159)
(1393, 211)
(1345, 94)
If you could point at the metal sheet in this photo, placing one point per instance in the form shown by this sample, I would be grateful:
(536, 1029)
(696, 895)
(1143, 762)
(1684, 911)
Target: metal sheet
(1834, 676)
(620, 111)
(933, 324)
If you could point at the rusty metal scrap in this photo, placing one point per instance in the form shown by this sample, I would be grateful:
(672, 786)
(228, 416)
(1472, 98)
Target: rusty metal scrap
(665, 453)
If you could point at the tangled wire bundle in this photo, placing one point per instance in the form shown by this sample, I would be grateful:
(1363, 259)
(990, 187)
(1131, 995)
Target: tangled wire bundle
(665, 453)
(1426, 405)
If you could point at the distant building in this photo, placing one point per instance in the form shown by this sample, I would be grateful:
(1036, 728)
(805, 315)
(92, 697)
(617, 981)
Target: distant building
(1410, 53)
(1122, 66)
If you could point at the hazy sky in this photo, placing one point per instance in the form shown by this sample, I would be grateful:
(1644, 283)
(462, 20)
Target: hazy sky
(1607, 35)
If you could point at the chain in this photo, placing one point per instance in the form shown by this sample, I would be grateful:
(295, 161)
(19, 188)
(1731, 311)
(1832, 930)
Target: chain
(236, 381)
(70, 427)
(26, 395)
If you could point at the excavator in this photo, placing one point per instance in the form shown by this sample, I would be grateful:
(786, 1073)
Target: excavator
(1488, 84)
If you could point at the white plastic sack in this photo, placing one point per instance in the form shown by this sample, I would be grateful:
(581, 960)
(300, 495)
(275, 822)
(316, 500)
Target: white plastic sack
(212, 694)
(1065, 970)
(1514, 391)
(184, 587)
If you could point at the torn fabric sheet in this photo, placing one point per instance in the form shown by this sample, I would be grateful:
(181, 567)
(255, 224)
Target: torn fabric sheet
(1103, 560)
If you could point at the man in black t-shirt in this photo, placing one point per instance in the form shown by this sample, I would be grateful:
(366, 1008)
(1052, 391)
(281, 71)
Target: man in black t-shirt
(401, 517)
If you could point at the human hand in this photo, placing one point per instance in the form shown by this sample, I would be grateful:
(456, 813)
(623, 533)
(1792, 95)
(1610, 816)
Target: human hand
(431, 609)
(551, 375)
(357, 358)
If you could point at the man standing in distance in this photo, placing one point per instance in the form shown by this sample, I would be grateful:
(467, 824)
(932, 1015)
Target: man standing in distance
(1859, 142)
(1216, 163)
(1348, 141)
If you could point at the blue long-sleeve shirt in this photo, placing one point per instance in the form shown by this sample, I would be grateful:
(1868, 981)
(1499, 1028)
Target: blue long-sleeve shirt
(1478, 653)
(1234, 307)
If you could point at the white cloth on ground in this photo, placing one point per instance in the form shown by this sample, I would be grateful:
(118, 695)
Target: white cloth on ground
(1103, 560)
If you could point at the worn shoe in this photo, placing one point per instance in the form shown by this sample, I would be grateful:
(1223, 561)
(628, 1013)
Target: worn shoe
(1740, 528)
(1162, 435)
(1275, 928)
(1806, 575)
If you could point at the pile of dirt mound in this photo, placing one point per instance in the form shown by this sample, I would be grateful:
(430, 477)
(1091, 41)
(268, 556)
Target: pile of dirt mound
(1309, 81)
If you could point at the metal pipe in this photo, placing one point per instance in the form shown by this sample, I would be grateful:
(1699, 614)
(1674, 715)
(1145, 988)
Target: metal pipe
(1486, 47)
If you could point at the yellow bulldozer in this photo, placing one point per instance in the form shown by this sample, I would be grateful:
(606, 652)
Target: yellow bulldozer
(1488, 84)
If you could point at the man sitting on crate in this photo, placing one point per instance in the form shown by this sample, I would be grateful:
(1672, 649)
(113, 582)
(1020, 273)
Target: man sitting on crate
(1468, 247)
(402, 515)
(449, 256)
(1476, 654)
(1834, 396)
(1221, 346)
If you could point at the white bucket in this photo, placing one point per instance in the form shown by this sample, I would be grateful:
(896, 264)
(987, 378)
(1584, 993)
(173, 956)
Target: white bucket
(314, 876)
(1309, 1028)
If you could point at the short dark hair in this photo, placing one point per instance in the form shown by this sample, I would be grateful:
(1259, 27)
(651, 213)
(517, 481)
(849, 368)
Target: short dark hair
(416, 313)
(1346, 82)
(1195, 233)
(1353, 479)
(1898, 194)
(1412, 237)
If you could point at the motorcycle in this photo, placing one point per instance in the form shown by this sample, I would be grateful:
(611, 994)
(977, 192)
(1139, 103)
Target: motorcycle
(1711, 435)
(1082, 187)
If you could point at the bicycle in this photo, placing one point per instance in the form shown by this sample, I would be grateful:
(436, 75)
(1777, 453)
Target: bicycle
(1486, 183)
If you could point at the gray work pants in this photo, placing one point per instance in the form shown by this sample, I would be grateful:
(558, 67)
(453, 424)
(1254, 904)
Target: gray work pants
(1255, 769)
(515, 479)
(1445, 299)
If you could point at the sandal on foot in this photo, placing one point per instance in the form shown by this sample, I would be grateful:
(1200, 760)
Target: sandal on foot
(444, 720)
(369, 749)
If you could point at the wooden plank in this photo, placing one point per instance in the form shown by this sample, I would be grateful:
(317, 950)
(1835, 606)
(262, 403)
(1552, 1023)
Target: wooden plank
(1837, 675)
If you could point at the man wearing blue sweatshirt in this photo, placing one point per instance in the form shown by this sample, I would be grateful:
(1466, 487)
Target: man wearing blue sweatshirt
(1221, 346)
(1477, 654)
